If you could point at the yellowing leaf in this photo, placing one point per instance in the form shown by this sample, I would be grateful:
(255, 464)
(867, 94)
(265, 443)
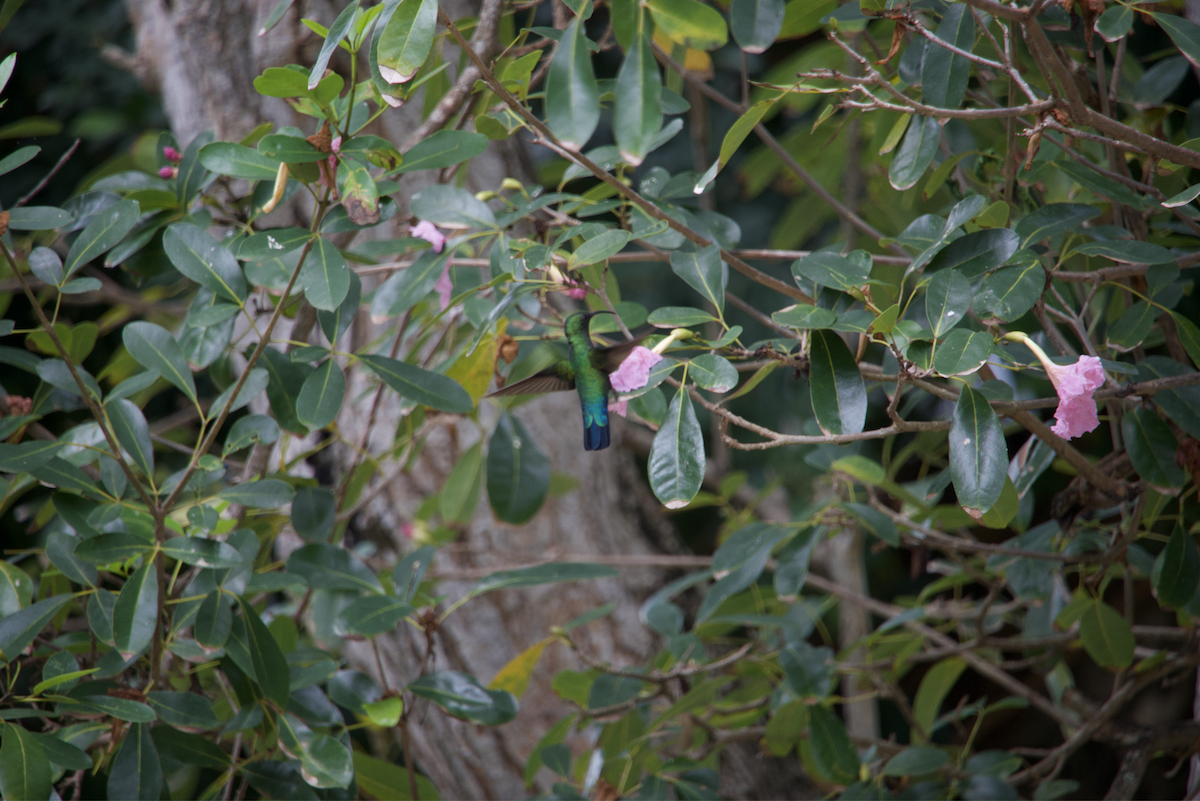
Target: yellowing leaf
(474, 370)
(515, 676)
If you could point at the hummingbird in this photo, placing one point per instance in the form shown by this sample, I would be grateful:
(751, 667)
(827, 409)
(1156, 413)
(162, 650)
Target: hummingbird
(586, 370)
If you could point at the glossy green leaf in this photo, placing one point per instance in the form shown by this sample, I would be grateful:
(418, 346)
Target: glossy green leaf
(107, 548)
(1176, 572)
(1054, 220)
(66, 476)
(185, 710)
(266, 493)
(713, 372)
(1131, 328)
(404, 288)
(935, 686)
(518, 473)
(704, 272)
(832, 270)
(337, 32)
(460, 493)
(962, 352)
(327, 567)
(944, 75)
(1181, 404)
(677, 459)
(808, 671)
(678, 317)
(136, 770)
(598, 248)
(639, 115)
(420, 386)
(321, 397)
(734, 138)
(572, 94)
(24, 768)
(16, 586)
(1151, 447)
(190, 749)
(451, 207)
(214, 621)
(947, 301)
(153, 348)
(18, 629)
(1186, 196)
(205, 260)
(1009, 293)
(27, 456)
(325, 277)
(831, 747)
(358, 191)
(690, 23)
(1114, 23)
(135, 615)
(839, 396)
(915, 153)
(101, 234)
(756, 23)
(409, 571)
(406, 40)
(803, 316)
(22, 155)
(462, 696)
(202, 551)
(314, 512)
(380, 779)
(550, 573)
(270, 667)
(238, 161)
(119, 708)
(37, 218)
(371, 616)
(129, 426)
(916, 761)
(1184, 33)
(1106, 636)
(443, 149)
(249, 430)
(978, 453)
(62, 753)
(791, 565)
(291, 149)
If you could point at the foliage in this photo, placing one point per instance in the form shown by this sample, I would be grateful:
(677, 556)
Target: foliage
(1004, 188)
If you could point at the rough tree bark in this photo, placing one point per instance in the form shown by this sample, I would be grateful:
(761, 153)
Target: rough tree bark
(202, 56)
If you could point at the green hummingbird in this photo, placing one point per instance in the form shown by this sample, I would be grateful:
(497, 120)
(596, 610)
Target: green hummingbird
(586, 370)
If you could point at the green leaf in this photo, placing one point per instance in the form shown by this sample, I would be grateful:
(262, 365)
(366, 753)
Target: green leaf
(27, 456)
(1184, 33)
(337, 32)
(550, 573)
(266, 493)
(978, 453)
(102, 234)
(314, 512)
(129, 427)
(404, 288)
(281, 82)
(190, 749)
(756, 23)
(108, 548)
(689, 23)
(875, 521)
(713, 372)
(251, 429)
(1054, 220)
(325, 277)
(1151, 447)
(1181, 404)
(462, 696)
(135, 616)
(1114, 23)
(359, 193)
(1128, 250)
(639, 114)
(518, 473)
(962, 353)
(1106, 636)
(153, 348)
(37, 218)
(1009, 293)
(214, 621)
(918, 760)
(22, 155)
(915, 153)
(186, 710)
(677, 455)
(119, 708)
(380, 779)
(24, 768)
(460, 493)
(681, 317)
(451, 207)
(385, 712)
(238, 161)
(832, 270)
(947, 301)
(270, 667)
(371, 616)
(293, 150)
(64, 475)
(1176, 571)
(786, 728)
(704, 272)
(16, 586)
(18, 629)
(934, 687)
(734, 137)
(202, 551)
(791, 566)
(443, 149)
(62, 753)
(136, 770)
(944, 75)
(598, 248)
(321, 397)
(839, 396)
(409, 571)
(1131, 328)
(807, 670)
(420, 386)
(1182, 199)
(205, 260)
(327, 567)
(406, 40)
(572, 94)
(831, 747)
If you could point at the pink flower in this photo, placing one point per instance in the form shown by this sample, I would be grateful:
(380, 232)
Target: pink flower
(618, 407)
(444, 286)
(429, 232)
(172, 155)
(1075, 385)
(168, 172)
(336, 144)
(578, 293)
(634, 372)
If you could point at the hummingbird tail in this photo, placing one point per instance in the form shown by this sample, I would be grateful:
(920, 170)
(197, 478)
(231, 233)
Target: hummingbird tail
(595, 425)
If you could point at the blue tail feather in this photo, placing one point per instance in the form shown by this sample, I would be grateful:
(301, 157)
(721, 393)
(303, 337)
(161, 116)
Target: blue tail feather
(595, 426)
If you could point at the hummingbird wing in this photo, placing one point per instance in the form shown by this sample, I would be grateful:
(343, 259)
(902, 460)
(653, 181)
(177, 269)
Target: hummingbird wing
(610, 358)
(557, 378)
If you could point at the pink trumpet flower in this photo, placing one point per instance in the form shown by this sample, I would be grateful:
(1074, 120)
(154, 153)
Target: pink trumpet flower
(429, 232)
(1075, 384)
(634, 372)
